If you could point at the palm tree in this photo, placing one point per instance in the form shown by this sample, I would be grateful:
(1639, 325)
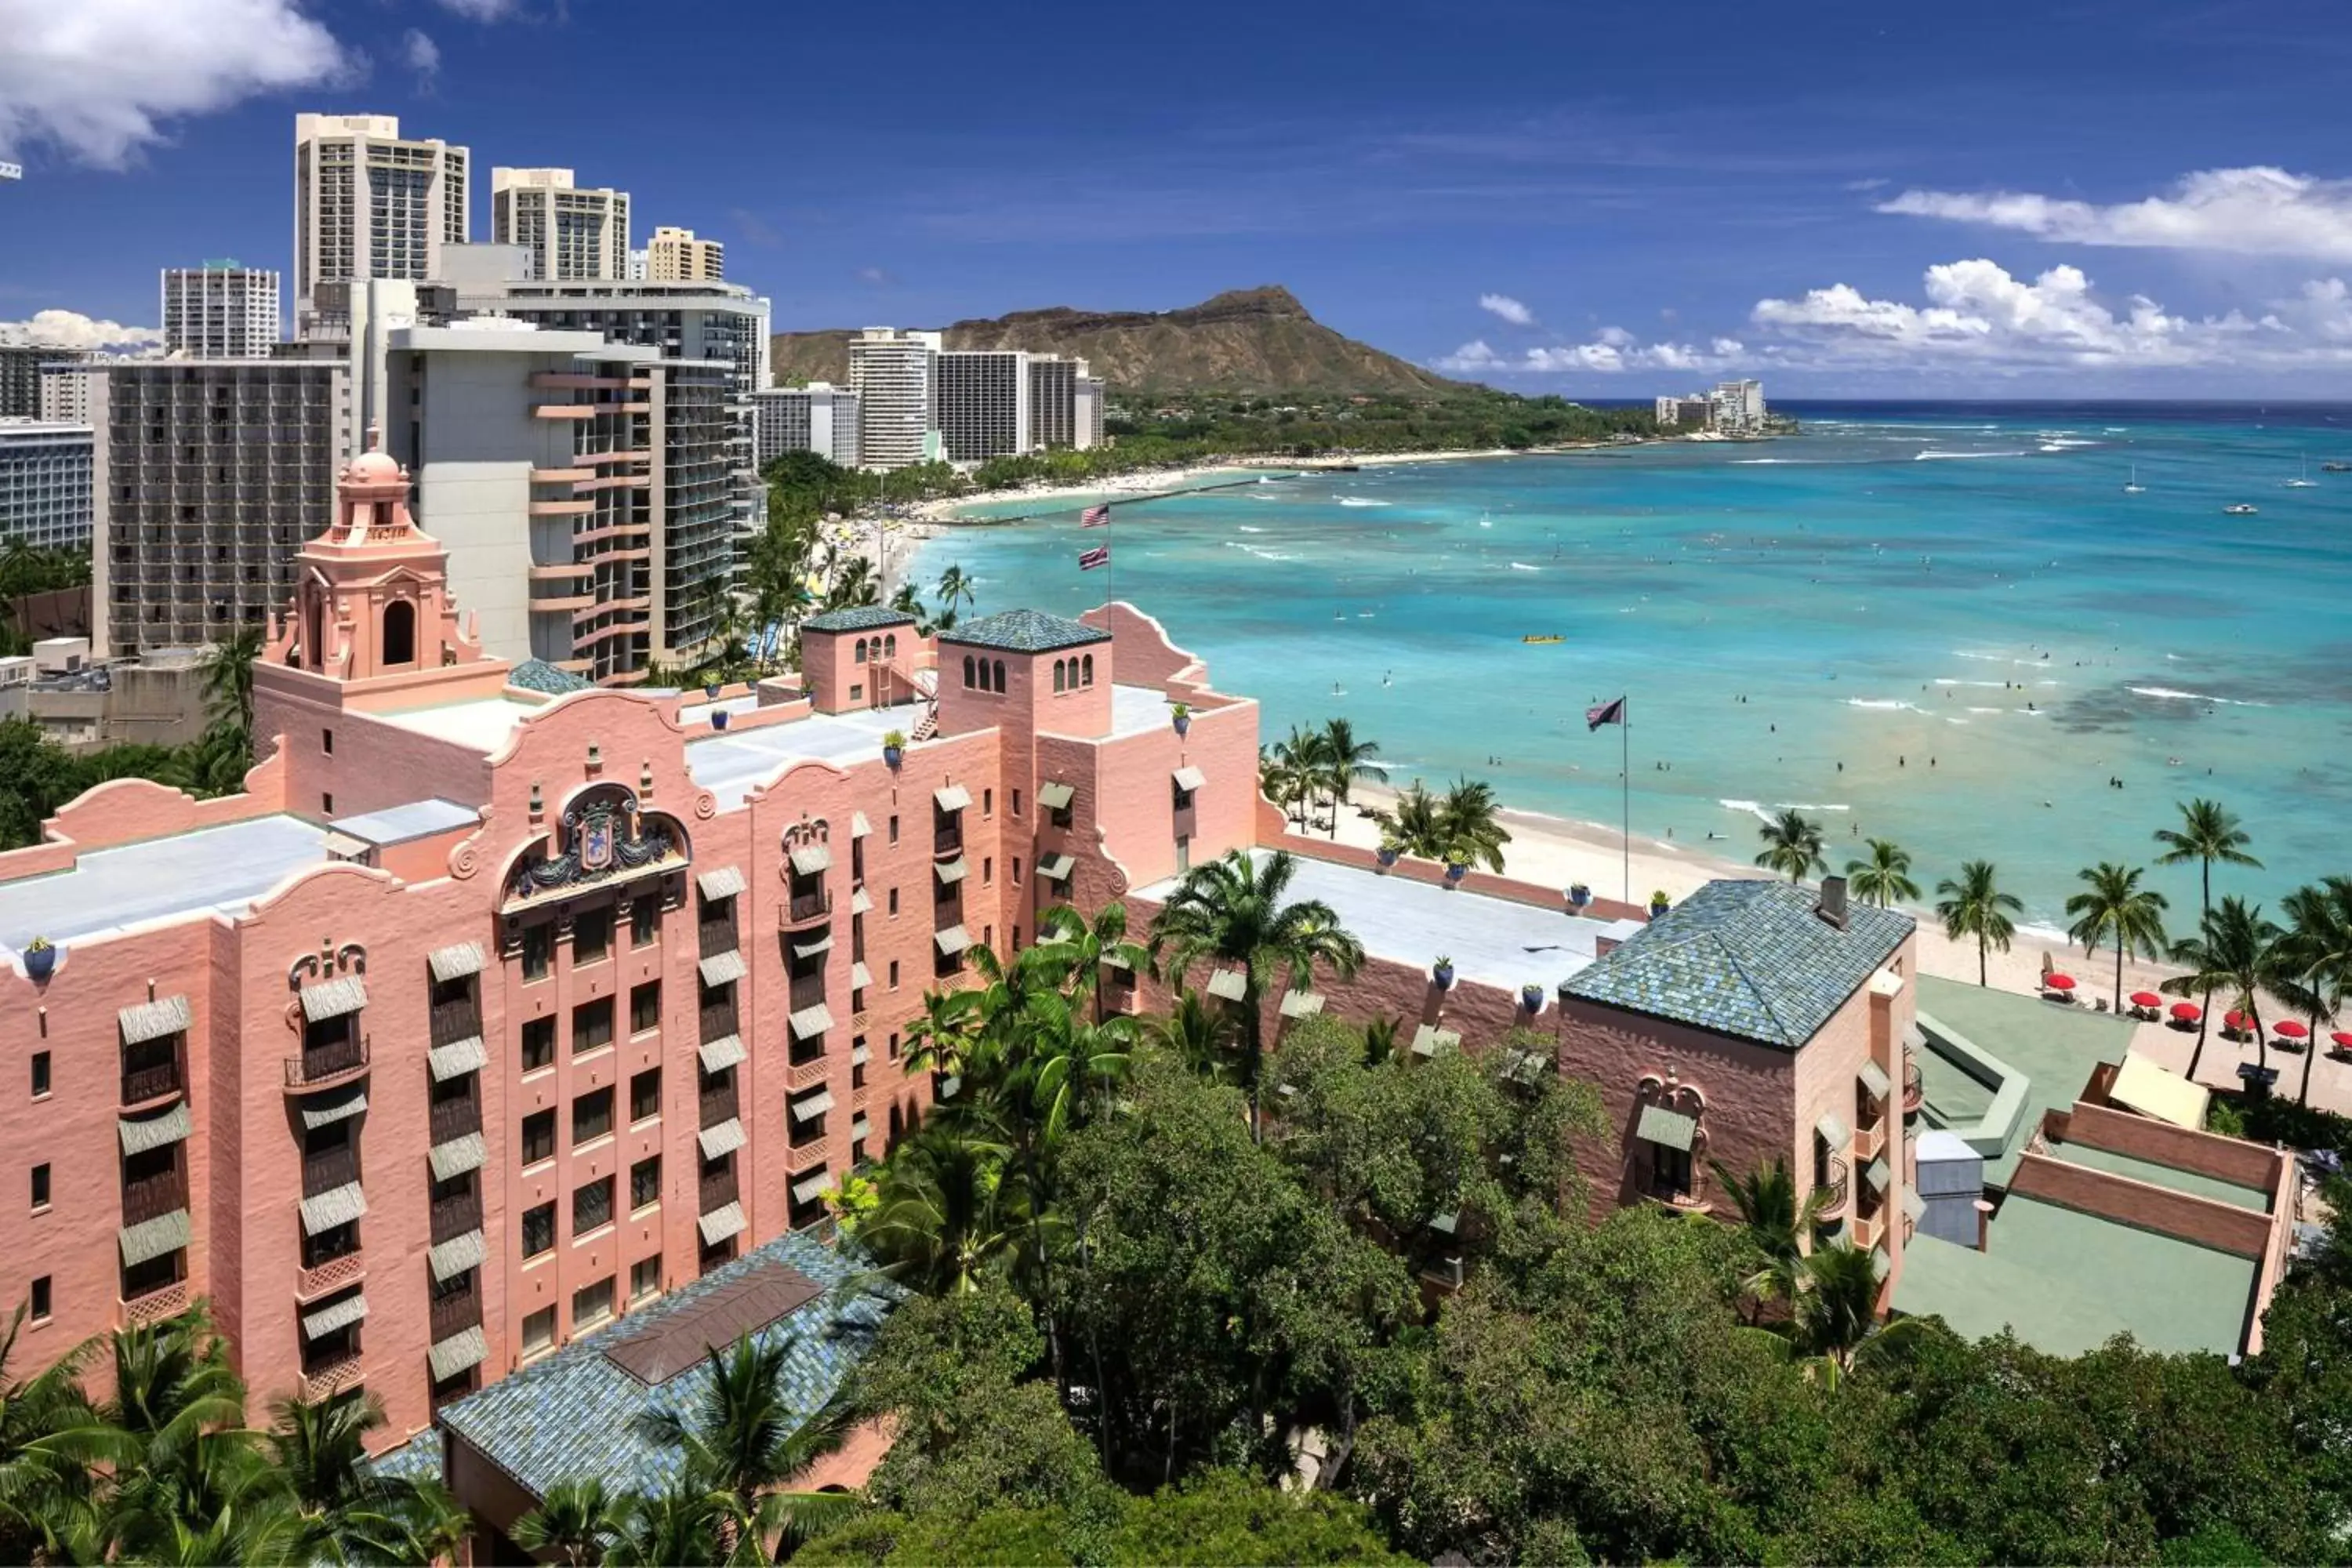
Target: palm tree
(941, 1039)
(1840, 1302)
(1302, 761)
(2235, 952)
(955, 588)
(1793, 844)
(1198, 1033)
(1232, 911)
(1413, 824)
(684, 1523)
(2207, 833)
(1081, 948)
(1071, 1055)
(1471, 819)
(1346, 760)
(344, 1507)
(1886, 878)
(2318, 951)
(1974, 906)
(47, 1445)
(741, 1439)
(575, 1522)
(229, 676)
(1767, 1200)
(2114, 907)
(946, 1209)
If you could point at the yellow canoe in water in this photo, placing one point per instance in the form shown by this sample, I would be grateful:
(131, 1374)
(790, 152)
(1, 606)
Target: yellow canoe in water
(1543, 639)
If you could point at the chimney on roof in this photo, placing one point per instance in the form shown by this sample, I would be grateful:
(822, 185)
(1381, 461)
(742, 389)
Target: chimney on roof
(1832, 905)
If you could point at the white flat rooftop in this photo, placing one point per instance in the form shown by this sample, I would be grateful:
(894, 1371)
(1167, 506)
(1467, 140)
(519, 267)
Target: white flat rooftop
(1490, 939)
(414, 819)
(732, 765)
(1137, 709)
(481, 724)
(220, 869)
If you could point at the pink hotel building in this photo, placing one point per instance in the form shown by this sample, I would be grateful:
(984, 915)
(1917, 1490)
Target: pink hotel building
(494, 1009)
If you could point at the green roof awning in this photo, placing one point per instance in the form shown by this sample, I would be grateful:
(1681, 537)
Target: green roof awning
(334, 1315)
(1429, 1039)
(952, 939)
(333, 998)
(466, 1348)
(1914, 1205)
(457, 1254)
(1189, 779)
(807, 1188)
(811, 860)
(336, 1105)
(154, 1020)
(1834, 1132)
(155, 1131)
(721, 1223)
(722, 968)
(1670, 1128)
(1879, 1175)
(1055, 867)
(150, 1239)
(954, 797)
(457, 961)
(469, 1054)
(812, 949)
(336, 1206)
(813, 1106)
(725, 882)
(951, 871)
(860, 977)
(859, 827)
(457, 1156)
(1055, 796)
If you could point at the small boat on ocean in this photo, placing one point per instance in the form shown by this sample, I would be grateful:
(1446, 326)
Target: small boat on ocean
(2240, 510)
(2336, 468)
(1540, 638)
(2132, 487)
(2302, 479)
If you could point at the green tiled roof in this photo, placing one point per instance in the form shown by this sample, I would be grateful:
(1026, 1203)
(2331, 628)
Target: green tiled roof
(1024, 631)
(1746, 958)
(538, 675)
(573, 1416)
(864, 618)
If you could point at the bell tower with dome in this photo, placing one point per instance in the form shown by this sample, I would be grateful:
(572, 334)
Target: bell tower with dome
(371, 594)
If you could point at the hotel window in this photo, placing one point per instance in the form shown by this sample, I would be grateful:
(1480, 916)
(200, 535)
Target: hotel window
(327, 741)
(893, 828)
(644, 1278)
(644, 1095)
(967, 671)
(644, 1182)
(539, 1332)
(987, 803)
(988, 870)
(592, 1025)
(592, 1116)
(1088, 677)
(1670, 1170)
(41, 1298)
(326, 804)
(592, 936)
(40, 1186)
(538, 1230)
(645, 919)
(1016, 802)
(40, 1075)
(538, 951)
(592, 1305)
(894, 975)
(644, 1007)
(537, 1044)
(591, 1206)
(538, 1137)
(1016, 882)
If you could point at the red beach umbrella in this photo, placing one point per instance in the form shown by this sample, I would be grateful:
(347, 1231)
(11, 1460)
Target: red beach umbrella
(2289, 1028)
(2187, 1012)
(2342, 1038)
(2058, 982)
(2234, 1019)
(2147, 999)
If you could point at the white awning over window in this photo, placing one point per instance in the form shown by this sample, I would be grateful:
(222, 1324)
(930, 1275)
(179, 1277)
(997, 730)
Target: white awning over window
(457, 961)
(860, 1130)
(1873, 1078)
(466, 1348)
(150, 1239)
(457, 1254)
(156, 1131)
(718, 1054)
(334, 1315)
(813, 1106)
(1189, 779)
(722, 1140)
(1055, 796)
(325, 1109)
(1663, 1125)
(721, 1223)
(469, 1054)
(811, 1021)
(953, 940)
(1230, 985)
(955, 797)
(809, 1188)
(1879, 1175)
(333, 998)
(859, 827)
(457, 1156)
(860, 901)
(860, 977)
(1428, 1040)
(859, 1055)
(724, 882)
(951, 871)
(1057, 866)
(722, 968)
(1301, 1004)
(1834, 1132)
(336, 1206)
(810, 860)
(154, 1020)
(811, 949)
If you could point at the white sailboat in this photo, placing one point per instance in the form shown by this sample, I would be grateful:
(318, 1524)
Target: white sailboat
(2303, 481)
(2132, 486)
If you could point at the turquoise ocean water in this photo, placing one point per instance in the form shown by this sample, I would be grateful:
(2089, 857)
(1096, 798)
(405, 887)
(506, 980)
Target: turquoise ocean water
(1946, 624)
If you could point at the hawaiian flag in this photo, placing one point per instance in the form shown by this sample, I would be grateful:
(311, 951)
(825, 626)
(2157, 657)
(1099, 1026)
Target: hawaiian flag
(1096, 516)
(1090, 559)
(1607, 713)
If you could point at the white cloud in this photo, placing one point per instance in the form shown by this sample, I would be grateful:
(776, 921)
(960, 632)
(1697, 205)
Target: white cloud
(481, 10)
(96, 78)
(1508, 309)
(2252, 211)
(1613, 349)
(423, 58)
(72, 330)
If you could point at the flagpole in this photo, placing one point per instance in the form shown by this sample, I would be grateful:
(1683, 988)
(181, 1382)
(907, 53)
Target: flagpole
(1625, 774)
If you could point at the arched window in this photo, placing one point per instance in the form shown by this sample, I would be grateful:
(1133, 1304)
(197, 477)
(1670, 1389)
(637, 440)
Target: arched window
(890, 646)
(1000, 675)
(1089, 670)
(860, 658)
(1060, 673)
(967, 672)
(399, 633)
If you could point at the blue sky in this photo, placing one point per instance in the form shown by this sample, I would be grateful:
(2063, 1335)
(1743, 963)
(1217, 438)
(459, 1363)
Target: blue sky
(2001, 199)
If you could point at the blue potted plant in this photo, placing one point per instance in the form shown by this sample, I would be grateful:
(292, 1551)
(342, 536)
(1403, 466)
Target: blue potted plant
(894, 748)
(1658, 902)
(719, 717)
(1387, 853)
(1532, 998)
(1181, 716)
(40, 958)
(1441, 971)
(1457, 867)
(710, 689)
(1579, 895)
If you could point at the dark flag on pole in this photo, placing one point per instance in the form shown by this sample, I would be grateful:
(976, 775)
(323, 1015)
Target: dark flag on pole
(1607, 713)
(1090, 559)
(1096, 516)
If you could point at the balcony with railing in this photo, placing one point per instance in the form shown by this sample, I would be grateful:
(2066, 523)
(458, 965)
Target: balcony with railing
(326, 1066)
(717, 932)
(329, 1169)
(165, 1300)
(717, 1188)
(946, 837)
(327, 1373)
(454, 1312)
(808, 903)
(456, 1214)
(459, 1018)
(457, 1115)
(1912, 1090)
(1832, 1183)
(150, 1197)
(153, 1071)
(330, 1275)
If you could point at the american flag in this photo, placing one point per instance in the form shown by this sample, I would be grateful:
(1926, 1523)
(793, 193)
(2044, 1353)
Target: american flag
(1096, 516)
(1090, 559)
